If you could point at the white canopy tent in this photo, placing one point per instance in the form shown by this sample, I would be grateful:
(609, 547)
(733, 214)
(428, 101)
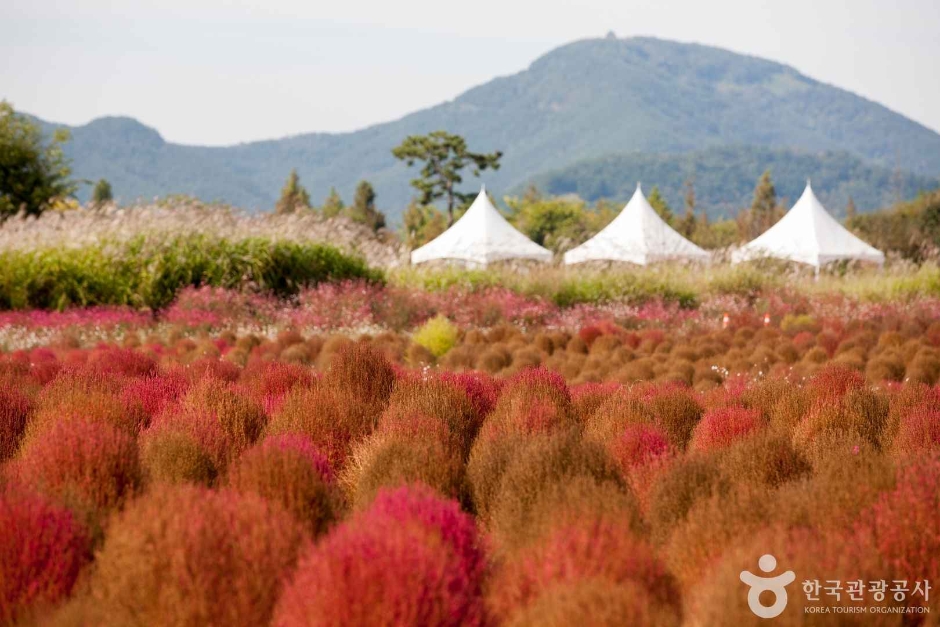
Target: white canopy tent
(481, 236)
(638, 235)
(808, 234)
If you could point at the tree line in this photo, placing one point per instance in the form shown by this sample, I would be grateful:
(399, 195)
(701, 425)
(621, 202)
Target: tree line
(36, 176)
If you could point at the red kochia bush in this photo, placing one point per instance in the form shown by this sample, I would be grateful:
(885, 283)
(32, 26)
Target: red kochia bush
(289, 470)
(411, 559)
(123, 361)
(533, 401)
(639, 445)
(481, 389)
(724, 426)
(90, 464)
(267, 382)
(14, 409)
(905, 525)
(192, 556)
(600, 550)
(835, 381)
(153, 394)
(42, 549)
(919, 431)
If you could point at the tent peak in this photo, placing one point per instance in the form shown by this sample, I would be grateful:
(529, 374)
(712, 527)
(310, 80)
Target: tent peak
(482, 188)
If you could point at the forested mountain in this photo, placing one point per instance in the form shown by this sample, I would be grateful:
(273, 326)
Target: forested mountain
(723, 179)
(581, 101)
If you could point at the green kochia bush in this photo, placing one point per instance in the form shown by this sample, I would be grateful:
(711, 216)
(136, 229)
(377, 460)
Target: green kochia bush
(144, 272)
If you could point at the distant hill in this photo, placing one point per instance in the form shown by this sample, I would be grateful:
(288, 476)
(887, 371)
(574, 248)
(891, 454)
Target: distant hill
(581, 101)
(724, 178)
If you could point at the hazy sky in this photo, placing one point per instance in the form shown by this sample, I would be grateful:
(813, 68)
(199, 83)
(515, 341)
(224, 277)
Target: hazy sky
(221, 72)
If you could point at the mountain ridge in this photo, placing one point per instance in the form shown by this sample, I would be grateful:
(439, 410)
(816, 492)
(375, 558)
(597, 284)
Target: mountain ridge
(582, 100)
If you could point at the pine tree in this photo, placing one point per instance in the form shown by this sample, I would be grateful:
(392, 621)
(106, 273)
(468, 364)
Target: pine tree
(333, 205)
(686, 225)
(293, 196)
(444, 156)
(658, 203)
(101, 195)
(363, 208)
(764, 206)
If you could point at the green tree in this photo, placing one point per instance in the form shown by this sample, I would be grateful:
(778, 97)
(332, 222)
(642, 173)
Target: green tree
(687, 224)
(101, 195)
(659, 203)
(333, 205)
(764, 211)
(33, 172)
(363, 208)
(444, 156)
(293, 196)
(422, 223)
(558, 222)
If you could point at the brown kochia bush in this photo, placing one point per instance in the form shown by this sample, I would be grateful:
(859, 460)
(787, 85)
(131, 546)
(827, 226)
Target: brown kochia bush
(174, 457)
(859, 414)
(407, 451)
(846, 478)
(595, 602)
(530, 487)
(332, 422)
(586, 398)
(489, 459)
(290, 471)
(438, 400)
(812, 555)
(86, 397)
(594, 550)
(688, 480)
(618, 410)
(768, 459)
(190, 556)
(360, 372)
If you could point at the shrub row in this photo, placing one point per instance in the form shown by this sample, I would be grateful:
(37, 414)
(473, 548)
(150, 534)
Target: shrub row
(149, 273)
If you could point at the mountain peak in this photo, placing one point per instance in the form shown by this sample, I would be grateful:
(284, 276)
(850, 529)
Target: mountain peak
(130, 129)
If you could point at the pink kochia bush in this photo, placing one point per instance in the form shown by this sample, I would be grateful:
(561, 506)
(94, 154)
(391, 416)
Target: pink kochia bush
(412, 558)
(91, 465)
(42, 550)
(192, 556)
(721, 427)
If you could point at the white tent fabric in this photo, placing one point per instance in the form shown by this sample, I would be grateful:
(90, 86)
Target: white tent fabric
(808, 234)
(638, 235)
(479, 237)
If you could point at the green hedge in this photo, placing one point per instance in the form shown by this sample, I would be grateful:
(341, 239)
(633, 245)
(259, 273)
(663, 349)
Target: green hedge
(145, 273)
